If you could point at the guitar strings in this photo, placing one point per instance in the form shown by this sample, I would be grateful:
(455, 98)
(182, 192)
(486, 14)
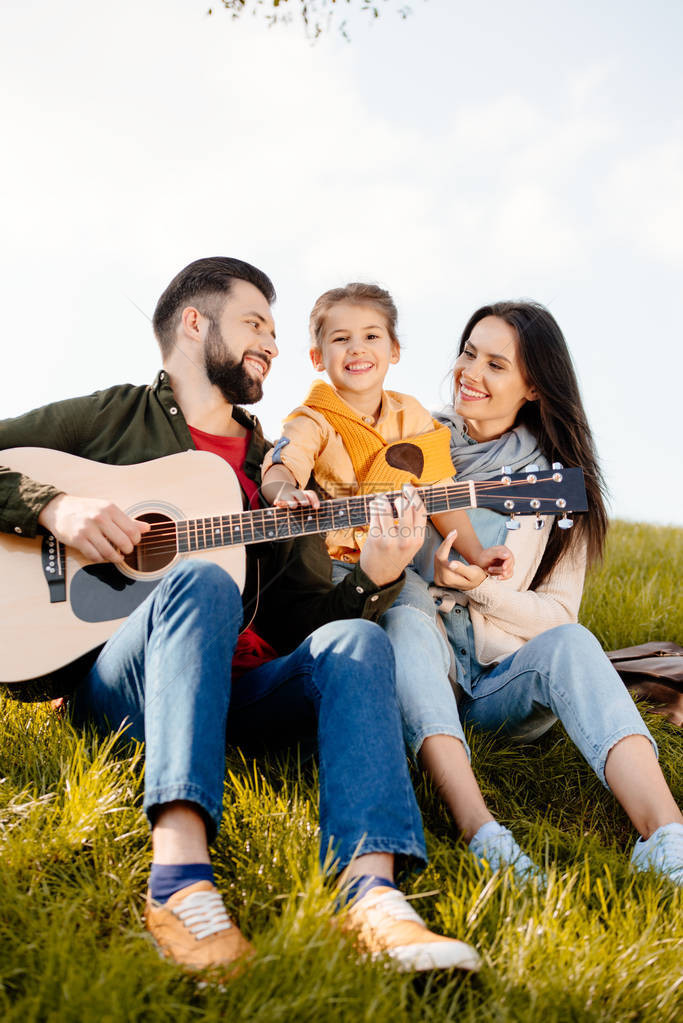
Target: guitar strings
(354, 504)
(163, 537)
(357, 503)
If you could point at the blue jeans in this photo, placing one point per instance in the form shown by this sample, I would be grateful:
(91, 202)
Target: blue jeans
(166, 673)
(561, 673)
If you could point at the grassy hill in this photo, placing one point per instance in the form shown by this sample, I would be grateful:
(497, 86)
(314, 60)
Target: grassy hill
(599, 944)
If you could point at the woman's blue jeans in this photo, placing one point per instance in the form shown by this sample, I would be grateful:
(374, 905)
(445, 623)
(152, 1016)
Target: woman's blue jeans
(166, 674)
(561, 673)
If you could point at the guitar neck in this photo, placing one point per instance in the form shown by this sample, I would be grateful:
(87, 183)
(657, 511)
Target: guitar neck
(543, 492)
(265, 524)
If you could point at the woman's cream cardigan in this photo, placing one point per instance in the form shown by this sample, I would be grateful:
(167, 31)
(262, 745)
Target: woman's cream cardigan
(506, 614)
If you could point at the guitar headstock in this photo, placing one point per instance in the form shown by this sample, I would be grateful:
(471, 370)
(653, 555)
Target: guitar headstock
(556, 491)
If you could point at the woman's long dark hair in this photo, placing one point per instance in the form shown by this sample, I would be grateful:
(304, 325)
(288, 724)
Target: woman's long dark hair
(557, 419)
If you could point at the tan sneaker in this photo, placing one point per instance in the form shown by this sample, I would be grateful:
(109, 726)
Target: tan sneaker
(387, 924)
(194, 929)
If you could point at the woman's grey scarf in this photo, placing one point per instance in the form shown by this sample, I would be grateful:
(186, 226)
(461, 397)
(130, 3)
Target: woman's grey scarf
(484, 461)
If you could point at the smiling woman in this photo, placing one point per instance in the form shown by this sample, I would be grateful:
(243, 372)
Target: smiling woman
(520, 658)
(488, 387)
(532, 384)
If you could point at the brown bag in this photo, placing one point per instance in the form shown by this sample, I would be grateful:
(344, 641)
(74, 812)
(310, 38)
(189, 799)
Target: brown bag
(659, 661)
(654, 671)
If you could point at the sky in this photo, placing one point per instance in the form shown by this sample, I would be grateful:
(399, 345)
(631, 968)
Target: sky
(466, 154)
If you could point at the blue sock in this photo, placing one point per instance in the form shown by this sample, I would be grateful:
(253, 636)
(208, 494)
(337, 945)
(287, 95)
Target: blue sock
(167, 878)
(360, 886)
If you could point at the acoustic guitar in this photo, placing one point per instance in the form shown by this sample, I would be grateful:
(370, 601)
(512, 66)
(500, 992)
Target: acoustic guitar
(56, 606)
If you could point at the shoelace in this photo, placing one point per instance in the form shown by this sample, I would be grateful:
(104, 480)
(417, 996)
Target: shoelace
(203, 913)
(393, 904)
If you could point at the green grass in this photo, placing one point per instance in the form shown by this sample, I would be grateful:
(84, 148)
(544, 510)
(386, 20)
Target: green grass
(600, 944)
(636, 595)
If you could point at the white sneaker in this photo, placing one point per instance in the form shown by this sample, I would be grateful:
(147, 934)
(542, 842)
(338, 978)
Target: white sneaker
(386, 924)
(662, 851)
(495, 846)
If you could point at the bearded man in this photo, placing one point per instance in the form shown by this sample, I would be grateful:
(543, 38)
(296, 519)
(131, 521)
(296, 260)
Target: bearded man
(185, 674)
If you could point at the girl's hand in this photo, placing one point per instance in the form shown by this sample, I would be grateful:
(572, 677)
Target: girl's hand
(280, 488)
(498, 561)
(292, 497)
(454, 574)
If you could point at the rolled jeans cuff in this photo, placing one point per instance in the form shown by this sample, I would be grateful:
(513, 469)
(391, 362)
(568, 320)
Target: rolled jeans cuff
(188, 793)
(598, 764)
(426, 731)
(412, 848)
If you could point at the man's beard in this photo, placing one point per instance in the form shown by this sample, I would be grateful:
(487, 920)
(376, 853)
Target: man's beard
(231, 377)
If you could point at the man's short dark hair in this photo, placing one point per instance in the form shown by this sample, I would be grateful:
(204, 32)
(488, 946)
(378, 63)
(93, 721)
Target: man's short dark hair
(205, 283)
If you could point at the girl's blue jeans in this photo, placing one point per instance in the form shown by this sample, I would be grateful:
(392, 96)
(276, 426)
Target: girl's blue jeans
(166, 674)
(562, 673)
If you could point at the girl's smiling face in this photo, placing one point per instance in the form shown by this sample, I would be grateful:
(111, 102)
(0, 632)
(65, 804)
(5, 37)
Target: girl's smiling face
(489, 387)
(356, 352)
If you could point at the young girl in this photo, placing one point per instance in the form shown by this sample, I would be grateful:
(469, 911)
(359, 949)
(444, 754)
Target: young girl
(354, 436)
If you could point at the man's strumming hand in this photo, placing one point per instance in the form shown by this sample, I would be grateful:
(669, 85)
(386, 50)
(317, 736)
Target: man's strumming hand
(98, 529)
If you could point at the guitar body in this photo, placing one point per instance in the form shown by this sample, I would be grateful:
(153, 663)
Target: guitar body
(47, 621)
(56, 607)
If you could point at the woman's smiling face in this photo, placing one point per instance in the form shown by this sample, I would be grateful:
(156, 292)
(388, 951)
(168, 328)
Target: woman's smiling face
(488, 385)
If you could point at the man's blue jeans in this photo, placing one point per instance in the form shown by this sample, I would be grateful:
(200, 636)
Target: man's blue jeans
(166, 672)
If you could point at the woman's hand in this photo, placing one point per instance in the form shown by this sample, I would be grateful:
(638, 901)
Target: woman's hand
(498, 561)
(454, 574)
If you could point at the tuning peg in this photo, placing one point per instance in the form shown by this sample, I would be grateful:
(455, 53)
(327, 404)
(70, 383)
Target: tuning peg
(539, 522)
(565, 522)
(506, 470)
(532, 468)
(558, 465)
(512, 522)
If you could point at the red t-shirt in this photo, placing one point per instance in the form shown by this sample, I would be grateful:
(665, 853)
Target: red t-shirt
(234, 451)
(251, 650)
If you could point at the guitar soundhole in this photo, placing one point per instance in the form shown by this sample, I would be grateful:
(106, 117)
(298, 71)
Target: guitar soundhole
(157, 548)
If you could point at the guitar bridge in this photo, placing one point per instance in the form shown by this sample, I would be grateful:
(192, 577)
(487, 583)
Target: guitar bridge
(54, 568)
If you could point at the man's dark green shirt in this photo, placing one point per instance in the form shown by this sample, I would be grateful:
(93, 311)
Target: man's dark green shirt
(288, 583)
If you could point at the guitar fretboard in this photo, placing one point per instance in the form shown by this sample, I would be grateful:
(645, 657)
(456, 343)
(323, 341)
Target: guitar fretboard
(280, 523)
